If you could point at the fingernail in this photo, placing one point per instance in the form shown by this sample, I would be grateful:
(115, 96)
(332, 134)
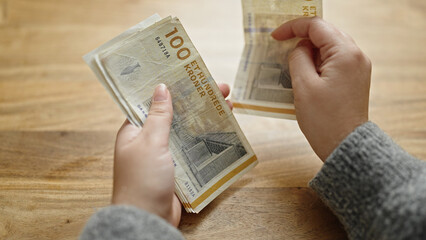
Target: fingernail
(161, 93)
(273, 33)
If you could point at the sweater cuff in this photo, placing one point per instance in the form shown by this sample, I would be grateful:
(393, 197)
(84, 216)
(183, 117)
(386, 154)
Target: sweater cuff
(360, 176)
(127, 222)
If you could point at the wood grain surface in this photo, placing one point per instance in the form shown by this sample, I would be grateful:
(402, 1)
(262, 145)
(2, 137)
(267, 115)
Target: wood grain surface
(58, 125)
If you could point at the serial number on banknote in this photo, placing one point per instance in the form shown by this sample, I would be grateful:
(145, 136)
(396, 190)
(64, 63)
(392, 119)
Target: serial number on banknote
(162, 47)
(190, 190)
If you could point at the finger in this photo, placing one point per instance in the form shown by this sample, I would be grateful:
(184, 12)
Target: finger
(176, 211)
(224, 88)
(160, 116)
(230, 105)
(302, 65)
(127, 133)
(317, 30)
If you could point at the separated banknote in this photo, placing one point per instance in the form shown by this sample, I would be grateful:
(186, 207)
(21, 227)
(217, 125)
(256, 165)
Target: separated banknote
(263, 84)
(209, 150)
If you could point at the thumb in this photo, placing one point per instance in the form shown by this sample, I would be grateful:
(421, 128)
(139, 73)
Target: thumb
(160, 116)
(301, 64)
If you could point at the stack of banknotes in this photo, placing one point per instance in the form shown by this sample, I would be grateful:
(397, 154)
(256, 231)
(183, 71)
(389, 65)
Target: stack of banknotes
(208, 148)
(263, 84)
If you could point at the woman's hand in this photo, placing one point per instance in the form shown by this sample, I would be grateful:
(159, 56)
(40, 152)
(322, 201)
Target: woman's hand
(143, 167)
(331, 82)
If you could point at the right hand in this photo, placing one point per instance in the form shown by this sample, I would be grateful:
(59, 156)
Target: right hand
(331, 82)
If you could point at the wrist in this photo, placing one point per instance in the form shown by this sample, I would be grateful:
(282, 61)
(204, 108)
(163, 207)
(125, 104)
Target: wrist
(336, 135)
(162, 208)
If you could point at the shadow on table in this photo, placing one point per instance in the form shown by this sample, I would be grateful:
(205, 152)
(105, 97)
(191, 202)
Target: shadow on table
(263, 213)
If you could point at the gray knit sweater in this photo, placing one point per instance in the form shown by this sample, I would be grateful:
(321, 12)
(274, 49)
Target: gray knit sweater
(376, 189)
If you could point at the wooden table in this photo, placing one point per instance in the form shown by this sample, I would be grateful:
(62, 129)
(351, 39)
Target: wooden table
(57, 123)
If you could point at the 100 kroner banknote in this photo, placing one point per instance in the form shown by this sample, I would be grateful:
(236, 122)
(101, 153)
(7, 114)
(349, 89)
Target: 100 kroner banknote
(208, 148)
(263, 84)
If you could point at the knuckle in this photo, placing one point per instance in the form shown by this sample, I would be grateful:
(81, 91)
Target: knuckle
(316, 24)
(361, 58)
(357, 54)
(347, 36)
(354, 55)
(317, 20)
(368, 63)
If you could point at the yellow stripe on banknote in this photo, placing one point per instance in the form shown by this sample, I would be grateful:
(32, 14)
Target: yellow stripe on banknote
(222, 181)
(264, 109)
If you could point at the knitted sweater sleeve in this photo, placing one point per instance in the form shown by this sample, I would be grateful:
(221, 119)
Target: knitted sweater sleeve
(376, 189)
(128, 223)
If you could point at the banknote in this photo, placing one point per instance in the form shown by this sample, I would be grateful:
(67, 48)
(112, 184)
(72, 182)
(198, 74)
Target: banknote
(208, 148)
(263, 84)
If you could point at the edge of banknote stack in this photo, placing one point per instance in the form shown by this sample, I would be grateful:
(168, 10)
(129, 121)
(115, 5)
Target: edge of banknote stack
(263, 83)
(205, 164)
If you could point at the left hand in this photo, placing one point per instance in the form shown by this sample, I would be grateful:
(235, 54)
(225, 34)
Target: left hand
(143, 166)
